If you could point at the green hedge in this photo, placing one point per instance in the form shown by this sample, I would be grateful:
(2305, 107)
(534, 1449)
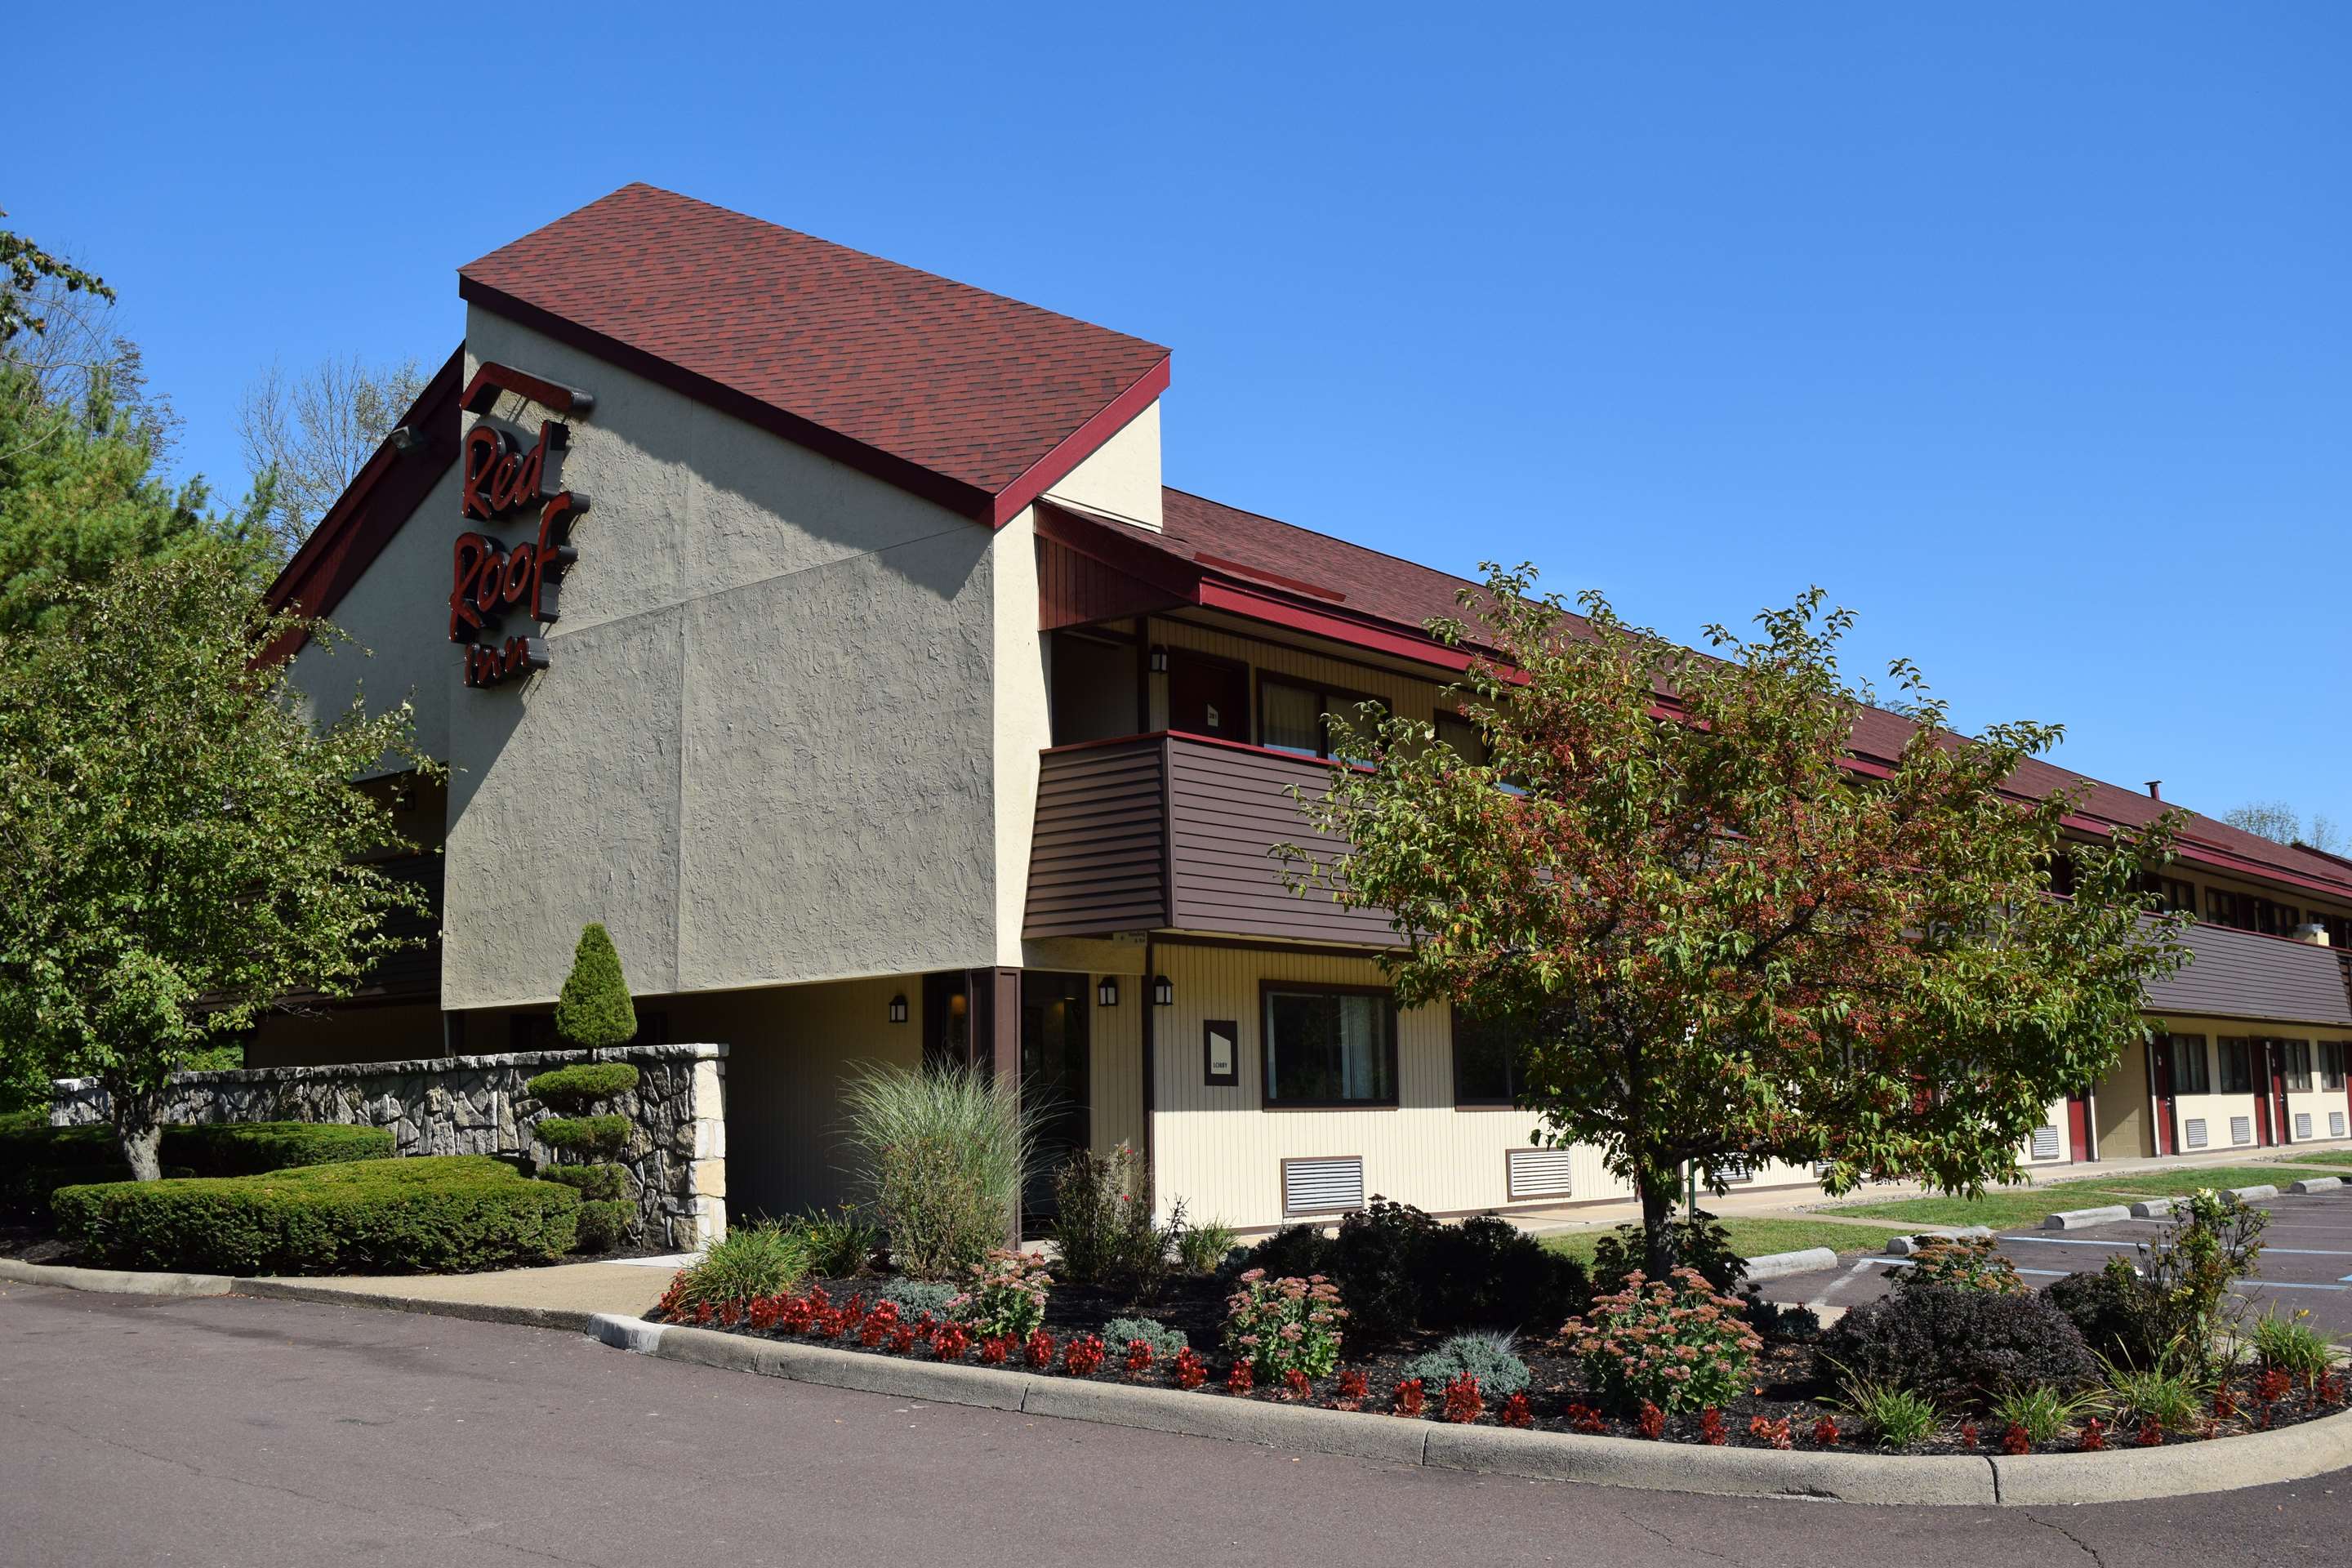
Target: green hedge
(595, 1184)
(586, 1134)
(251, 1148)
(582, 1085)
(435, 1213)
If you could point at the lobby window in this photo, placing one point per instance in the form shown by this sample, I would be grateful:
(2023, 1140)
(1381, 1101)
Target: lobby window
(2295, 1058)
(1330, 1046)
(2331, 1064)
(2184, 1055)
(2237, 1066)
(1290, 715)
(1486, 1054)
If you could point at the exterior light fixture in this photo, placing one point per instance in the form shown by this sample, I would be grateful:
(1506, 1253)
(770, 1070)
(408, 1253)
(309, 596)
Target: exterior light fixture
(1107, 993)
(1159, 662)
(1162, 994)
(898, 1008)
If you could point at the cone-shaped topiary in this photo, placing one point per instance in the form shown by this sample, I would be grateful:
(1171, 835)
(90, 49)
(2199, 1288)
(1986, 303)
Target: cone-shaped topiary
(594, 1010)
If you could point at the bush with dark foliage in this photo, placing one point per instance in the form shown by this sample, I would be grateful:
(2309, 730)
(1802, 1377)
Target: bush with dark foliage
(1698, 1242)
(1294, 1252)
(2114, 1311)
(1487, 1273)
(1961, 1347)
(1379, 1267)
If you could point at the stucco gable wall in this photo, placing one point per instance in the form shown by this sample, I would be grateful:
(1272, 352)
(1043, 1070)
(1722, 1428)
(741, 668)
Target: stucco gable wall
(761, 753)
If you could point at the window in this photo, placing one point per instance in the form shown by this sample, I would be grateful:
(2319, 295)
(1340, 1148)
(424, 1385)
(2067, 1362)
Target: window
(1485, 1059)
(2246, 912)
(2172, 893)
(1330, 1046)
(2237, 1069)
(2331, 1064)
(1463, 737)
(2296, 1057)
(2184, 1055)
(2060, 873)
(1290, 715)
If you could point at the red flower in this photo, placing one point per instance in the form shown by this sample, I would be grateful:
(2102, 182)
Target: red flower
(2151, 1433)
(2015, 1440)
(2225, 1404)
(1710, 1427)
(994, 1348)
(1652, 1422)
(1411, 1397)
(1968, 1433)
(1039, 1349)
(902, 1339)
(1240, 1380)
(2273, 1387)
(2095, 1436)
(950, 1340)
(1139, 1357)
(1825, 1432)
(1191, 1370)
(1515, 1411)
(1772, 1434)
(1083, 1355)
(1352, 1391)
(1297, 1383)
(1463, 1403)
(1584, 1418)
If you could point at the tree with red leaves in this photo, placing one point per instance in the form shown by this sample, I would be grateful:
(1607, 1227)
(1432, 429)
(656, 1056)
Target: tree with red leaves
(1720, 932)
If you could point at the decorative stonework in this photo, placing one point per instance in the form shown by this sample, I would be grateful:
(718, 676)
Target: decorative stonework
(477, 1105)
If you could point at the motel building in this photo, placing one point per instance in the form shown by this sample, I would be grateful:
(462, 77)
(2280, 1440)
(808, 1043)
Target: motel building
(824, 628)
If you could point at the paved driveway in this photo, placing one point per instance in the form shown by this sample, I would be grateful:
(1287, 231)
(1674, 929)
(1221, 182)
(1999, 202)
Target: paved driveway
(265, 1433)
(2306, 1260)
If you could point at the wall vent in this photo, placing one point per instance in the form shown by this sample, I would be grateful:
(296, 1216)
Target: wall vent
(2195, 1128)
(2336, 1124)
(2303, 1125)
(2241, 1130)
(2046, 1143)
(1328, 1185)
(1536, 1173)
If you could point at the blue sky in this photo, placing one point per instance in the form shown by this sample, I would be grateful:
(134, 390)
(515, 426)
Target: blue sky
(2025, 331)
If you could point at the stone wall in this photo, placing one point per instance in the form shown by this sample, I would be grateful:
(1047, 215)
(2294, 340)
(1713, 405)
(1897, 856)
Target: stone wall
(477, 1105)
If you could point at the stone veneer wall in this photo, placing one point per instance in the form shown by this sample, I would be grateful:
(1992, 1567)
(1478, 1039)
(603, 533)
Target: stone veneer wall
(477, 1105)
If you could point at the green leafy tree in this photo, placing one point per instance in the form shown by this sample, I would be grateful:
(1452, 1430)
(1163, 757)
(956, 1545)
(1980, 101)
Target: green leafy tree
(180, 845)
(595, 1009)
(1722, 938)
(31, 272)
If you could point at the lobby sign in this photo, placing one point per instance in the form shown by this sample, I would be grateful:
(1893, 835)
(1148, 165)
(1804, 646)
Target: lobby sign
(490, 580)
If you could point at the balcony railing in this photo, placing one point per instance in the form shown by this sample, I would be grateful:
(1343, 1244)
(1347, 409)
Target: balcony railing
(2237, 973)
(1171, 832)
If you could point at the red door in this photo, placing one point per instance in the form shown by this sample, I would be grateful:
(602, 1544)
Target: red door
(2078, 1128)
(2258, 1057)
(2168, 1134)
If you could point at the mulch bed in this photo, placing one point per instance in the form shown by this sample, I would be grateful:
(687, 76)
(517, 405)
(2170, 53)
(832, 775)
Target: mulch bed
(1788, 1384)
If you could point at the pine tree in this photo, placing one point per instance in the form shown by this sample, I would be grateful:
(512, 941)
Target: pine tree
(595, 1009)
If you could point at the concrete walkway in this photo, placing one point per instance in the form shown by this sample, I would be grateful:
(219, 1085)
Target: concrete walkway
(565, 1295)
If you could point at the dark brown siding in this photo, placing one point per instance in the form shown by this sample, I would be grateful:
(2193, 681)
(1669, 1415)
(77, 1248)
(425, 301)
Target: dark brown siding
(2241, 974)
(1230, 807)
(1074, 589)
(1098, 863)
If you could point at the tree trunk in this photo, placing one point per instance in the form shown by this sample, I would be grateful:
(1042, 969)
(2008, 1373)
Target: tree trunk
(139, 1127)
(1657, 1215)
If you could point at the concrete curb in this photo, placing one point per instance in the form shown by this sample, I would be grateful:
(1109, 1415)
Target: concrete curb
(2154, 1209)
(2315, 1185)
(2248, 1195)
(115, 1281)
(1779, 1264)
(1907, 1244)
(274, 1289)
(2078, 1219)
(1965, 1480)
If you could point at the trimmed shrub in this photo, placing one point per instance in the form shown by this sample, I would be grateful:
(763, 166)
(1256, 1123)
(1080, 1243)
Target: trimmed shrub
(1962, 1346)
(595, 1184)
(1487, 1357)
(586, 1134)
(1697, 1241)
(25, 1190)
(252, 1148)
(1166, 1344)
(941, 1154)
(581, 1086)
(431, 1214)
(595, 1009)
(1102, 1221)
(1487, 1273)
(1378, 1262)
(605, 1223)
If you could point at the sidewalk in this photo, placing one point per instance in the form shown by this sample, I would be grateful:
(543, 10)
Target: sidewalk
(564, 1295)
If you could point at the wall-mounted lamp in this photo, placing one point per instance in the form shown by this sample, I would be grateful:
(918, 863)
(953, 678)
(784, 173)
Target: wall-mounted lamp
(1162, 994)
(898, 1008)
(1107, 993)
(1159, 662)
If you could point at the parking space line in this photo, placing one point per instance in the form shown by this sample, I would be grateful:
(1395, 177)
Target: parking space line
(2281, 1285)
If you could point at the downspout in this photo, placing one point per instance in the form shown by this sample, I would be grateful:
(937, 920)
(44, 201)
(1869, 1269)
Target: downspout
(1150, 1010)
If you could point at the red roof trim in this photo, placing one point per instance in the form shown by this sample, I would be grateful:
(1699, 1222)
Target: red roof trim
(1418, 646)
(1079, 444)
(493, 379)
(380, 497)
(964, 499)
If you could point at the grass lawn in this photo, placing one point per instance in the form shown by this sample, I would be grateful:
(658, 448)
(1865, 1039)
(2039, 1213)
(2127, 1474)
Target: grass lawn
(2007, 1207)
(1753, 1237)
(2332, 1157)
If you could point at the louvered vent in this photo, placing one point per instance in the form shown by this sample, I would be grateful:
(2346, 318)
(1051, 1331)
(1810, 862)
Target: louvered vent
(2336, 1124)
(2195, 1127)
(2241, 1130)
(1536, 1173)
(1333, 1186)
(1735, 1169)
(2303, 1125)
(2046, 1143)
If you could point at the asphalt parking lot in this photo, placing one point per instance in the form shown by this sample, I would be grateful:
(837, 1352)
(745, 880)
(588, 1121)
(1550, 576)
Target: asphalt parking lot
(2306, 1261)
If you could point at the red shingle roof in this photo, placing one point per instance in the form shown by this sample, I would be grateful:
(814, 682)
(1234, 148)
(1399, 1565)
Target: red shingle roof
(953, 380)
(1406, 594)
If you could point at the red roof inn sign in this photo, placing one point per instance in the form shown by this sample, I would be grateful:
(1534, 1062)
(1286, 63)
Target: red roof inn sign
(490, 581)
